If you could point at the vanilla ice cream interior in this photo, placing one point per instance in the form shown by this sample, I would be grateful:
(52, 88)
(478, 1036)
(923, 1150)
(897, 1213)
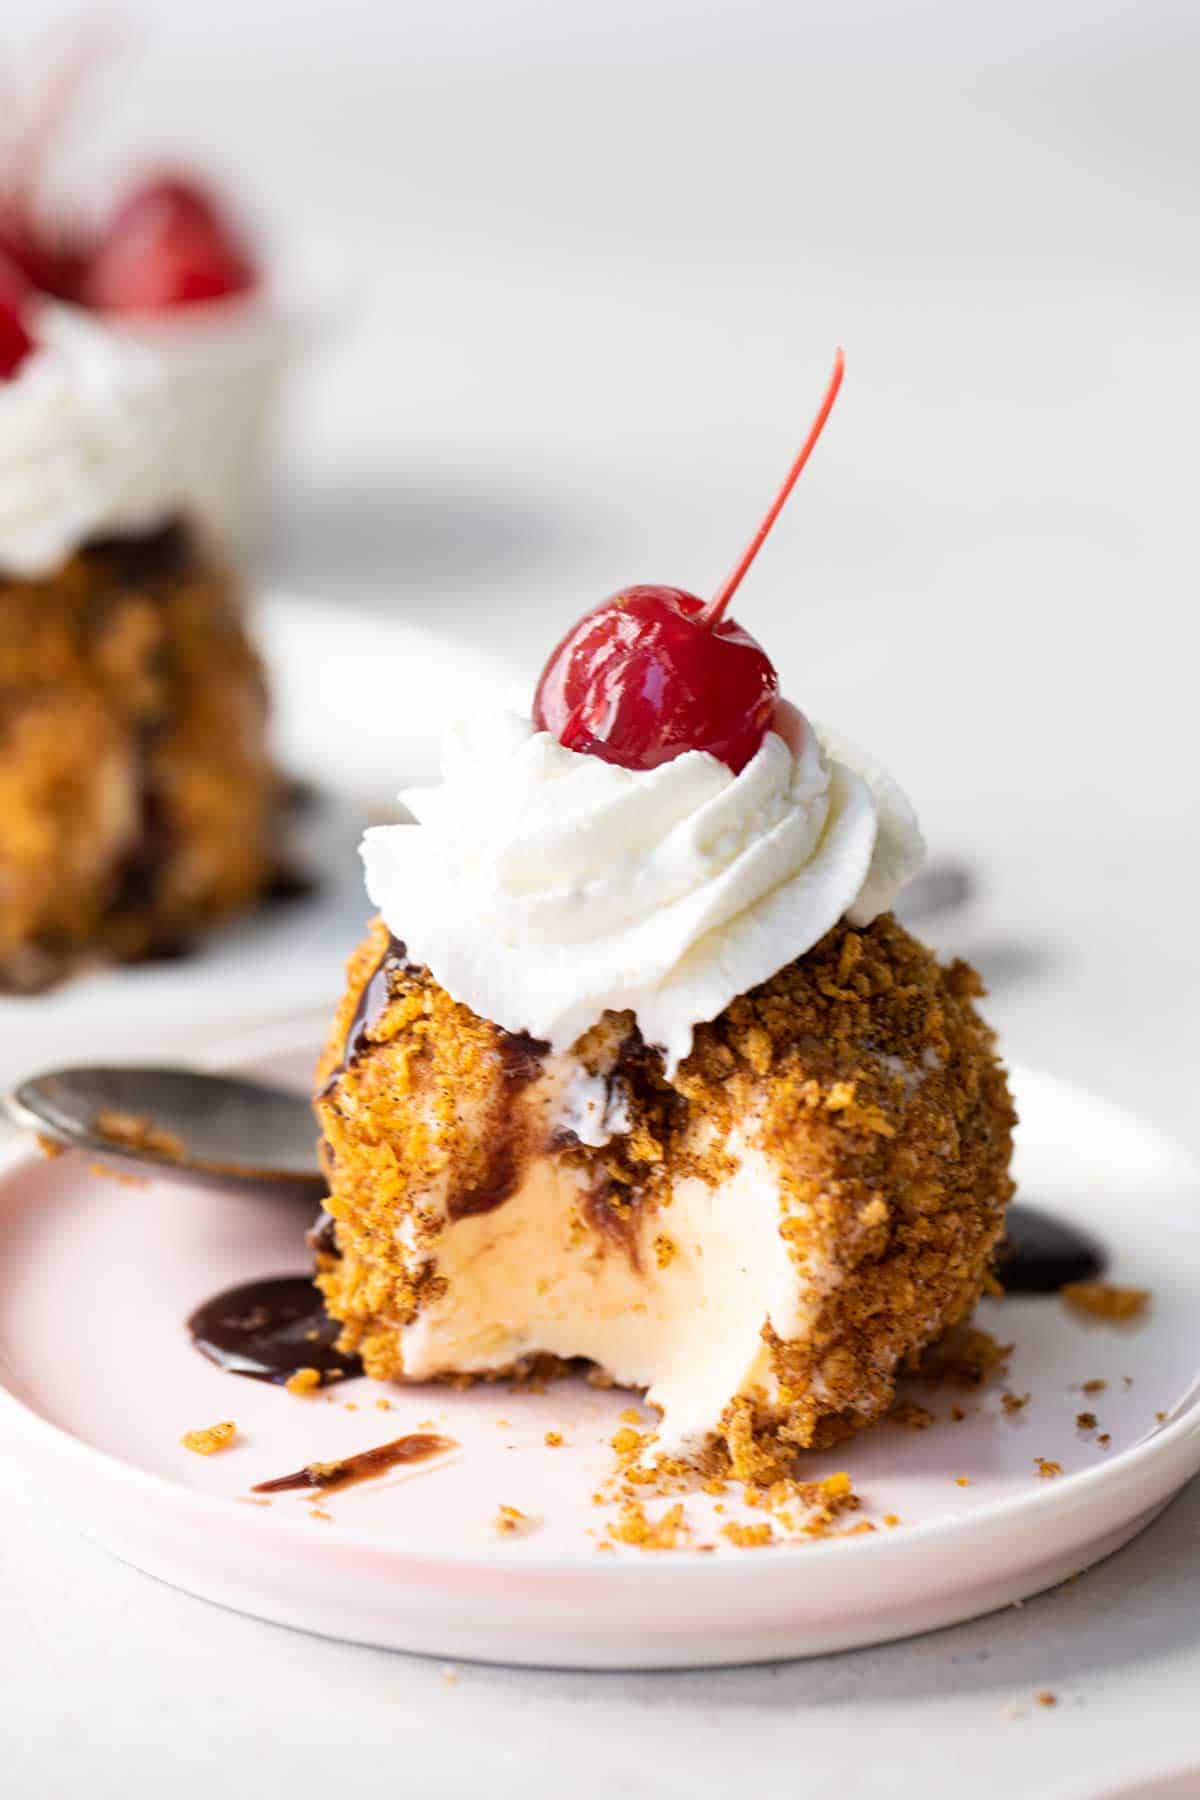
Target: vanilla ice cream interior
(672, 1299)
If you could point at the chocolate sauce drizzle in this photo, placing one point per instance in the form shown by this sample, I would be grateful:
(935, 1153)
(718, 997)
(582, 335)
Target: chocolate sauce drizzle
(520, 1064)
(1040, 1253)
(146, 556)
(321, 1236)
(418, 1446)
(611, 1209)
(270, 1329)
(371, 1003)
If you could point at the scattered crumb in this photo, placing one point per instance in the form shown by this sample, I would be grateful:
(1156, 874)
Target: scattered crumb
(627, 1442)
(252, 1499)
(962, 1481)
(49, 1146)
(554, 1439)
(631, 1416)
(748, 1537)
(863, 1527)
(122, 1177)
(917, 1418)
(1105, 1438)
(1086, 1421)
(891, 1518)
(210, 1438)
(1046, 1468)
(317, 1512)
(604, 1545)
(664, 1251)
(1044, 1697)
(958, 1414)
(510, 1521)
(304, 1381)
(1128, 1380)
(134, 1132)
(1095, 1386)
(1104, 1300)
(449, 1674)
(1162, 1417)
(964, 1357)
(1014, 1403)
(384, 1405)
(634, 1526)
(350, 1405)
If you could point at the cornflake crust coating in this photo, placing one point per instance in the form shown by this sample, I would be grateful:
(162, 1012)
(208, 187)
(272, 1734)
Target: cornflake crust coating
(840, 1136)
(137, 798)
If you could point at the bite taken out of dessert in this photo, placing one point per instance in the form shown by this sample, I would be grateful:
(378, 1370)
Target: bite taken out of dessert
(138, 801)
(635, 1065)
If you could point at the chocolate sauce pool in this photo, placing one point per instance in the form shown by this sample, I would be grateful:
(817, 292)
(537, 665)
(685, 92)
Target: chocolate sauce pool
(270, 1329)
(1041, 1254)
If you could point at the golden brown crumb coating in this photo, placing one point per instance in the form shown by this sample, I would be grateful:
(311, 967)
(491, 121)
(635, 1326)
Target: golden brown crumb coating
(877, 1098)
(137, 798)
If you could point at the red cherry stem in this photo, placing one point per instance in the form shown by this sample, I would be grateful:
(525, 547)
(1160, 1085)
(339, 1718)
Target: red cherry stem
(715, 610)
(93, 41)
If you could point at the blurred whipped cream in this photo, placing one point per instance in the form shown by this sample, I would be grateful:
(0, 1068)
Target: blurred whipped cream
(85, 449)
(542, 887)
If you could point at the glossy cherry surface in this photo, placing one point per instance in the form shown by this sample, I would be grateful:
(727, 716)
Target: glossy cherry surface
(168, 244)
(15, 340)
(641, 679)
(656, 671)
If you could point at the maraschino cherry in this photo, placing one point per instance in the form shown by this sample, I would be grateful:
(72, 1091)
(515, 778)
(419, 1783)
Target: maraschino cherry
(655, 671)
(168, 244)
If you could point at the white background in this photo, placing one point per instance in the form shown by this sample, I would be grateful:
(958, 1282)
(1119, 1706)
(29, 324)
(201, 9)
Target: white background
(601, 256)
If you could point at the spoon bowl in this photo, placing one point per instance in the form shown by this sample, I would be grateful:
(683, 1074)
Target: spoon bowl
(177, 1124)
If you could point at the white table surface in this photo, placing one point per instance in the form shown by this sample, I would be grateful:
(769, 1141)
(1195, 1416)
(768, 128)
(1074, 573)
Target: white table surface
(603, 280)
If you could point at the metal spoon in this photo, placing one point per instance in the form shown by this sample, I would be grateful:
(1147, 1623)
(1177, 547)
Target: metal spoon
(180, 1124)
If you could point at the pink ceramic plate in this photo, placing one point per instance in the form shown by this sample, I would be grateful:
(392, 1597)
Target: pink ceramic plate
(98, 1382)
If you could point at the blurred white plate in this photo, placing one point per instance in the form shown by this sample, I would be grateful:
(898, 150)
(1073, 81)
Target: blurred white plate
(98, 1382)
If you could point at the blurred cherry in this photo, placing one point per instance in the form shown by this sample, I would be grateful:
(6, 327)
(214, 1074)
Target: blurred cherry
(169, 243)
(16, 341)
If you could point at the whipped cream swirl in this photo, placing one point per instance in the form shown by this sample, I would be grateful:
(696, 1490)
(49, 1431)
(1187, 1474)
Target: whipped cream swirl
(542, 887)
(84, 444)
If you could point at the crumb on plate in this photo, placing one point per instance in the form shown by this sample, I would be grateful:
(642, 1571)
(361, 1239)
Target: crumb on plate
(210, 1438)
(510, 1521)
(1105, 1300)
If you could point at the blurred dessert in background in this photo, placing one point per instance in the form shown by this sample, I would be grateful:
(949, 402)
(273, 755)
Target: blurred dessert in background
(137, 797)
(167, 262)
